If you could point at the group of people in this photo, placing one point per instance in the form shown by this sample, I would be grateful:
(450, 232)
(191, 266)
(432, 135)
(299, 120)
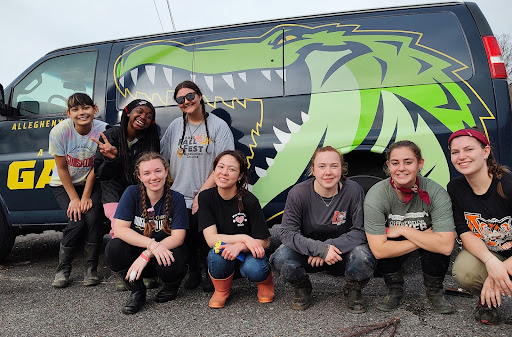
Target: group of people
(204, 218)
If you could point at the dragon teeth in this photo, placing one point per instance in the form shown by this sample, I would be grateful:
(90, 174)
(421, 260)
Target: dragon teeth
(283, 136)
(293, 127)
(209, 82)
(150, 71)
(281, 74)
(134, 73)
(260, 172)
(249, 187)
(243, 76)
(121, 80)
(266, 73)
(229, 80)
(270, 161)
(279, 147)
(304, 116)
(168, 75)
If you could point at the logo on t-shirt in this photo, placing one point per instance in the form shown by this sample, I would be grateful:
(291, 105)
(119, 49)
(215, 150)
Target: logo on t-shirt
(339, 218)
(414, 220)
(496, 233)
(140, 223)
(195, 146)
(239, 219)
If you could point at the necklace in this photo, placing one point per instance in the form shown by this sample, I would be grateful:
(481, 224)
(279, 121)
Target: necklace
(181, 151)
(327, 201)
(197, 127)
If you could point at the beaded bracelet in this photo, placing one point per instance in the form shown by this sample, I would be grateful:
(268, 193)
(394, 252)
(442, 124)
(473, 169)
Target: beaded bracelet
(144, 257)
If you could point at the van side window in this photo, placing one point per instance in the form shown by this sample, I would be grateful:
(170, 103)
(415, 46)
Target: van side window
(45, 90)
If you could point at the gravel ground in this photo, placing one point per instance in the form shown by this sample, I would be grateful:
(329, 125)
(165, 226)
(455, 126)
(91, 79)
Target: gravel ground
(31, 307)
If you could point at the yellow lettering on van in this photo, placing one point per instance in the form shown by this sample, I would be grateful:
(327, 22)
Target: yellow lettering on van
(40, 153)
(20, 180)
(36, 124)
(46, 175)
(13, 127)
(30, 125)
(54, 122)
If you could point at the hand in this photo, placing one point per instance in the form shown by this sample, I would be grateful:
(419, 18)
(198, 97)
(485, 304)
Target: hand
(490, 294)
(231, 251)
(195, 204)
(500, 273)
(85, 204)
(106, 149)
(315, 261)
(74, 213)
(138, 266)
(393, 232)
(255, 247)
(163, 255)
(333, 255)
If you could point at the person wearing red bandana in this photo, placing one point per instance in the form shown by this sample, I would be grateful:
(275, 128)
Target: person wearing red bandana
(482, 210)
(404, 213)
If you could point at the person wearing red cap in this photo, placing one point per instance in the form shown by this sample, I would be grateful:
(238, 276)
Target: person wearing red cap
(482, 210)
(408, 212)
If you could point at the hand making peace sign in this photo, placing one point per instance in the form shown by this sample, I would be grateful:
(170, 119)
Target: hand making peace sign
(106, 149)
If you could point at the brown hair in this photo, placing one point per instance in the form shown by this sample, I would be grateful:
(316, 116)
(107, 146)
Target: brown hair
(403, 143)
(241, 184)
(344, 165)
(148, 228)
(79, 99)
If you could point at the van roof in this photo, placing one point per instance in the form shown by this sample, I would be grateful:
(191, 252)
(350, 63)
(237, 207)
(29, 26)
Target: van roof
(205, 29)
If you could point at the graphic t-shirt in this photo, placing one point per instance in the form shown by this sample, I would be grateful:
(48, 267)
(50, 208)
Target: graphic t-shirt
(488, 216)
(130, 209)
(190, 171)
(383, 208)
(79, 150)
(224, 214)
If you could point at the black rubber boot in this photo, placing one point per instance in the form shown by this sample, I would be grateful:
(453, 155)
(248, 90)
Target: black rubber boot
(66, 255)
(137, 295)
(395, 284)
(434, 288)
(92, 254)
(353, 296)
(302, 297)
(168, 292)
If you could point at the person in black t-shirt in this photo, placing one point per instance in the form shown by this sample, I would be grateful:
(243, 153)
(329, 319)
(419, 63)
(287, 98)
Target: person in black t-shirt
(482, 210)
(231, 215)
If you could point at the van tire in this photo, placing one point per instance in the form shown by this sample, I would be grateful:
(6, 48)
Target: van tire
(6, 237)
(366, 181)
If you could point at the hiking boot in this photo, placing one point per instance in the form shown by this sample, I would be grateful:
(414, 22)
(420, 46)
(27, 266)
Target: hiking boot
(395, 284)
(66, 255)
(353, 296)
(137, 293)
(302, 298)
(168, 292)
(434, 289)
(92, 253)
(486, 315)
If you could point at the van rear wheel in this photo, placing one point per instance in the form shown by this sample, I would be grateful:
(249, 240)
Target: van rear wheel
(6, 237)
(366, 181)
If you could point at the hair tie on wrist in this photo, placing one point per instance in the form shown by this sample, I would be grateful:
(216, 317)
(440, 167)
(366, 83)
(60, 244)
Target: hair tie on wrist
(144, 257)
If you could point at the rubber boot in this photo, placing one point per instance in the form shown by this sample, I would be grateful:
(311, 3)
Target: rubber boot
(222, 291)
(395, 284)
(92, 254)
(169, 291)
(353, 295)
(66, 255)
(266, 289)
(137, 296)
(434, 289)
(302, 297)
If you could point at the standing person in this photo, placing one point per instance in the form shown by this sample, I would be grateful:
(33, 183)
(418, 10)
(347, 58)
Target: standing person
(191, 143)
(150, 226)
(116, 156)
(482, 209)
(73, 184)
(229, 213)
(322, 228)
(409, 212)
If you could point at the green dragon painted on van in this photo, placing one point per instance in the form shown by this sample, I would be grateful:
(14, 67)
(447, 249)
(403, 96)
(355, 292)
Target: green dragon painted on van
(359, 84)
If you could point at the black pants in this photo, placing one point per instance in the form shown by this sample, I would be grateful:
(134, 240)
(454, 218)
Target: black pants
(90, 228)
(432, 264)
(196, 243)
(120, 255)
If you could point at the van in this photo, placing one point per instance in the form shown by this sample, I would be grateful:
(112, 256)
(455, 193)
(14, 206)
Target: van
(357, 81)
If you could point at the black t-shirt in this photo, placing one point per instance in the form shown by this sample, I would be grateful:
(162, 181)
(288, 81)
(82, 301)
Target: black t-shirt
(488, 215)
(214, 210)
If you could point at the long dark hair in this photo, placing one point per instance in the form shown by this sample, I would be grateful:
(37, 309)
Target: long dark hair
(193, 86)
(241, 184)
(149, 138)
(148, 228)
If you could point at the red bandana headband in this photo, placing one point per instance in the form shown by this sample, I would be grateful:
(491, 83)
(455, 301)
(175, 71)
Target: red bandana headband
(471, 133)
(409, 192)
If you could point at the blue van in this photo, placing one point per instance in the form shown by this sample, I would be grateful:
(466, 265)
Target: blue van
(356, 81)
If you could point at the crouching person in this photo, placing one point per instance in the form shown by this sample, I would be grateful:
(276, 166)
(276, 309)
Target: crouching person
(234, 227)
(322, 228)
(150, 225)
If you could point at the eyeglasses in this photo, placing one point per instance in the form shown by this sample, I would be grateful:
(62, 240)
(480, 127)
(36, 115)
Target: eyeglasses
(190, 97)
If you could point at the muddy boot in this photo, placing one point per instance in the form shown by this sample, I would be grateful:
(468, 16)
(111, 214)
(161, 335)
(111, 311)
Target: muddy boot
(353, 296)
(66, 255)
(137, 295)
(92, 253)
(222, 291)
(395, 284)
(434, 288)
(169, 291)
(302, 298)
(266, 289)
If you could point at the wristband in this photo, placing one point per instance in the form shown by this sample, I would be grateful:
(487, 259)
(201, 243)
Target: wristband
(144, 257)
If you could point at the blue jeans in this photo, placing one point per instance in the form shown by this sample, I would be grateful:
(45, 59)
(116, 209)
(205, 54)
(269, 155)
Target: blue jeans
(358, 264)
(253, 269)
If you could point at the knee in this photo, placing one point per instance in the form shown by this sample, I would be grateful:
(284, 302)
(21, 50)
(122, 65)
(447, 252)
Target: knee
(287, 264)
(254, 269)
(219, 267)
(469, 274)
(360, 263)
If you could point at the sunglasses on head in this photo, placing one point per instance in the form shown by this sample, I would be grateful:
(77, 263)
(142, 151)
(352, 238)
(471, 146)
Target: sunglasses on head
(190, 97)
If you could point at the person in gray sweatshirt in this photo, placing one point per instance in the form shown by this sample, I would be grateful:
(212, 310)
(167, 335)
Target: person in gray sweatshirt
(323, 229)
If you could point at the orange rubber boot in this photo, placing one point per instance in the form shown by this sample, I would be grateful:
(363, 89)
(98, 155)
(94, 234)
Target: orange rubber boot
(222, 291)
(266, 289)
